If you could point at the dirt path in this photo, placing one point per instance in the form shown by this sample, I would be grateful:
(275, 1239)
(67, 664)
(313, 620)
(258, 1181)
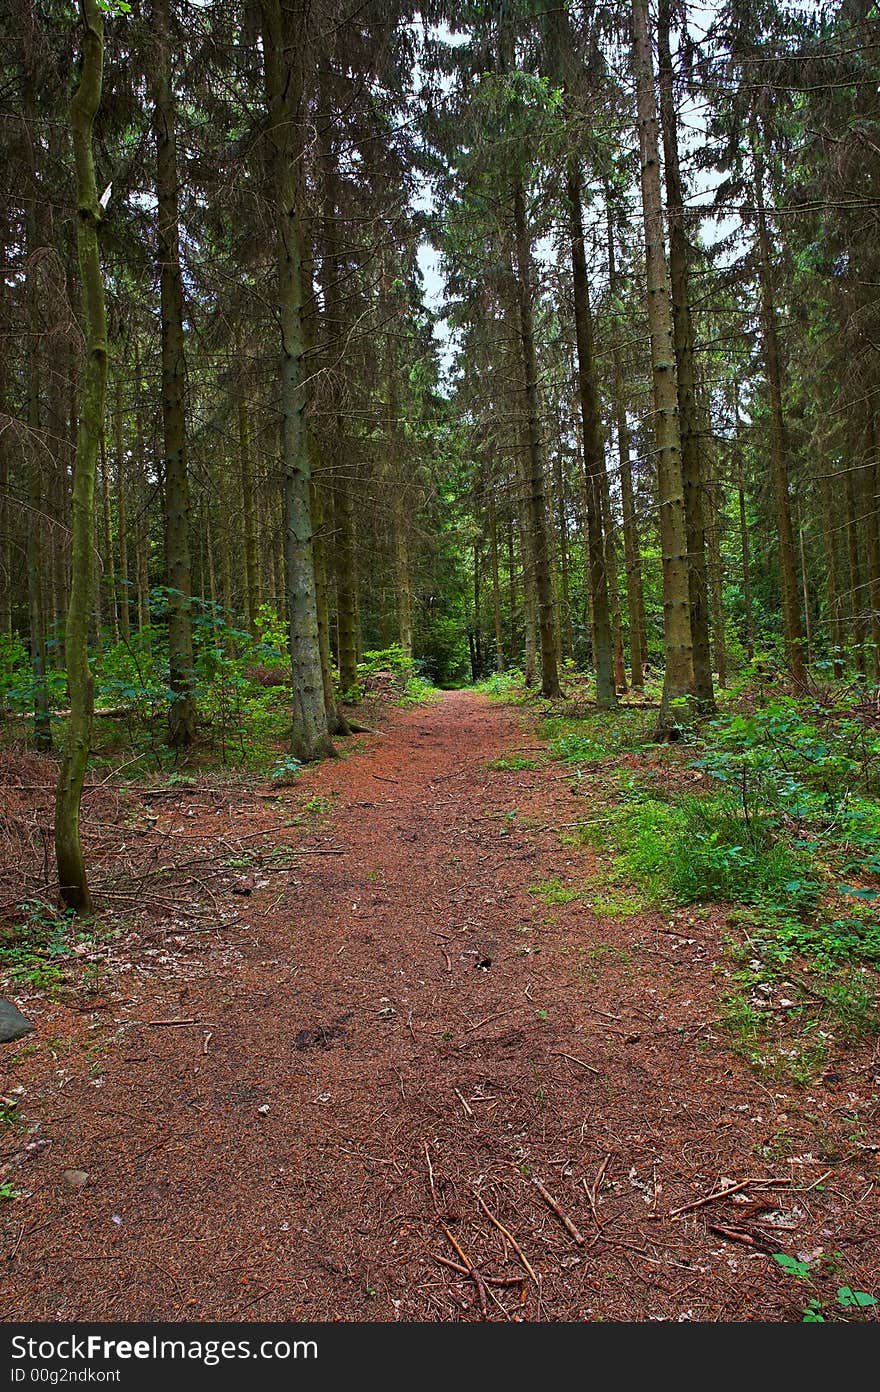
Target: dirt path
(391, 1029)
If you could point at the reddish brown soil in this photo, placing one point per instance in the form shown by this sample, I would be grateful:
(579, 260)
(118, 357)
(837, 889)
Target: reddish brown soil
(384, 1034)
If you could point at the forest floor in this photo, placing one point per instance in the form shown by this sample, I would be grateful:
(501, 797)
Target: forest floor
(404, 1045)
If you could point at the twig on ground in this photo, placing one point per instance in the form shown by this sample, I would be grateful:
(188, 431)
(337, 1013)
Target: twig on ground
(722, 1194)
(473, 1272)
(431, 1179)
(571, 1058)
(490, 1280)
(563, 1217)
(463, 1101)
(510, 1238)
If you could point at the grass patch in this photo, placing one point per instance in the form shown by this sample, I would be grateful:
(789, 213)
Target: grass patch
(553, 892)
(619, 904)
(512, 761)
(600, 735)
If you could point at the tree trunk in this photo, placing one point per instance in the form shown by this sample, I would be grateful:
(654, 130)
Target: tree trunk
(635, 601)
(869, 502)
(182, 713)
(791, 617)
(142, 525)
(122, 515)
(5, 510)
(283, 40)
(35, 556)
(249, 515)
(72, 880)
(594, 447)
(832, 578)
(608, 530)
(536, 511)
(683, 340)
(109, 568)
(856, 618)
(399, 517)
(496, 587)
(713, 541)
(339, 468)
(678, 677)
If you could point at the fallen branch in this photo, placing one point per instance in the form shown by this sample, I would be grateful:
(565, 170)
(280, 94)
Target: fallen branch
(571, 1058)
(722, 1194)
(490, 1280)
(563, 1217)
(431, 1178)
(732, 1234)
(592, 1192)
(463, 1101)
(510, 1238)
(473, 1273)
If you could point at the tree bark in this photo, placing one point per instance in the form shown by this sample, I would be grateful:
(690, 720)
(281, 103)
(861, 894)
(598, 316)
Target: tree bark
(72, 879)
(36, 548)
(678, 677)
(791, 615)
(182, 715)
(593, 446)
(537, 516)
(249, 515)
(339, 469)
(122, 515)
(109, 567)
(635, 601)
(688, 412)
(284, 42)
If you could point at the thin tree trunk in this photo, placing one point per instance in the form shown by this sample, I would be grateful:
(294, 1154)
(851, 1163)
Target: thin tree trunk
(745, 551)
(537, 517)
(871, 532)
(511, 583)
(182, 715)
(713, 541)
(631, 548)
(399, 518)
(678, 677)
(608, 530)
(336, 724)
(109, 568)
(688, 412)
(122, 515)
(344, 548)
(832, 580)
(283, 40)
(804, 587)
(593, 445)
(791, 617)
(142, 525)
(496, 587)
(564, 580)
(72, 878)
(857, 624)
(5, 510)
(35, 530)
(249, 515)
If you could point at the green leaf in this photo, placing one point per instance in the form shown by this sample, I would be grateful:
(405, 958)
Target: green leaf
(792, 1266)
(859, 893)
(846, 1296)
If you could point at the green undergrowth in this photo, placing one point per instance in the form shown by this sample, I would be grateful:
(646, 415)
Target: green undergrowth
(783, 832)
(39, 948)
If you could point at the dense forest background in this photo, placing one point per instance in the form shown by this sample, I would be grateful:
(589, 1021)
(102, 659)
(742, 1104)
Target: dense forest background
(472, 337)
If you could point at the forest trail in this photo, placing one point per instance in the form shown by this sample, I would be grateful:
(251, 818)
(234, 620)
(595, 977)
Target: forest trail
(393, 1026)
